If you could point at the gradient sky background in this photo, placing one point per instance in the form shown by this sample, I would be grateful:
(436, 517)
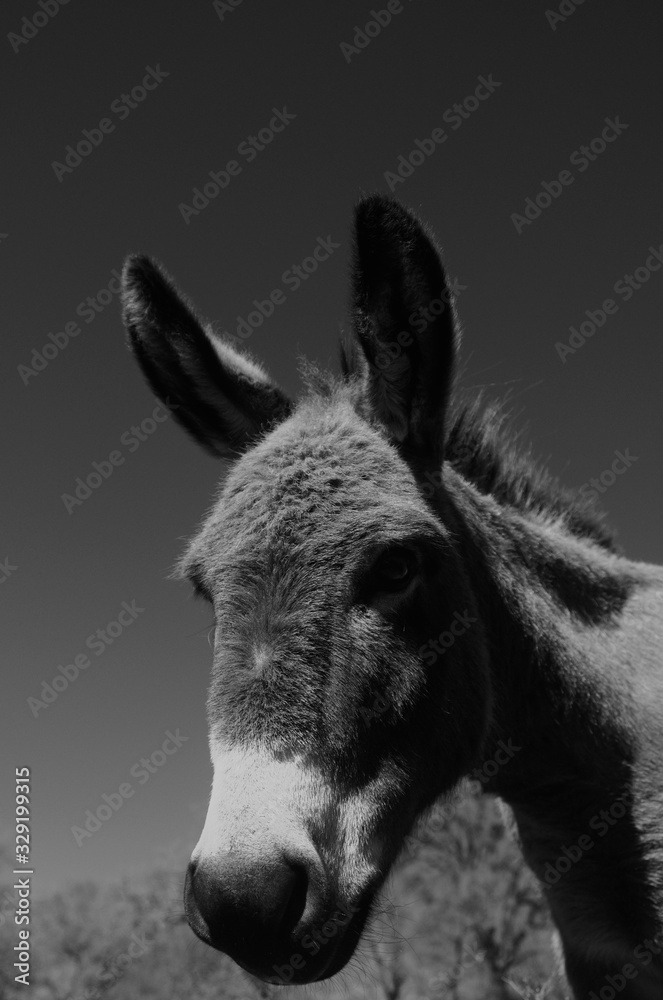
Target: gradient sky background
(353, 120)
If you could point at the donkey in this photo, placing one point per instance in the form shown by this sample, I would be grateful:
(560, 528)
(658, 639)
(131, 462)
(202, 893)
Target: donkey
(381, 543)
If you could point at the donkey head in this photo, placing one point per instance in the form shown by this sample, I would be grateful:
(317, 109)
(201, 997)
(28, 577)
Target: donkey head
(331, 560)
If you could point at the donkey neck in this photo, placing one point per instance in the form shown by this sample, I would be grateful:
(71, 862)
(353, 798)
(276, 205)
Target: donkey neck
(549, 602)
(574, 716)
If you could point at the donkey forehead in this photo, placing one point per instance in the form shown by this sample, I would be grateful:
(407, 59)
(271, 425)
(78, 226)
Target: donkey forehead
(323, 478)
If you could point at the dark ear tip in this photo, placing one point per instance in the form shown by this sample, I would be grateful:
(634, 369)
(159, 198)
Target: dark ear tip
(377, 211)
(144, 284)
(372, 204)
(139, 274)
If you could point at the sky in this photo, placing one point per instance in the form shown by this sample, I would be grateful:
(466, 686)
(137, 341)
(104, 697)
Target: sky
(162, 95)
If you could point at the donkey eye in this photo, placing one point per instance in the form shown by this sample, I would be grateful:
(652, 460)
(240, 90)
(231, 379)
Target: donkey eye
(394, 570)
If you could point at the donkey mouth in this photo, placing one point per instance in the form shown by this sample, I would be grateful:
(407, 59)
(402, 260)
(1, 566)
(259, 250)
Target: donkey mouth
(318, 954)
(297, 963)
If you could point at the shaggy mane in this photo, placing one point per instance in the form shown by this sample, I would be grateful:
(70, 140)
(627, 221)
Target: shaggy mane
(478, 447)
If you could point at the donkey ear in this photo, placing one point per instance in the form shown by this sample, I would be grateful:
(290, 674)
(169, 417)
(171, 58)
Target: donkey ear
(403, 322)
(220, 396)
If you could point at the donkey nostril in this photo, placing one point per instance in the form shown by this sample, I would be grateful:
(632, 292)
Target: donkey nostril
(296, 905)
(191, 908)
